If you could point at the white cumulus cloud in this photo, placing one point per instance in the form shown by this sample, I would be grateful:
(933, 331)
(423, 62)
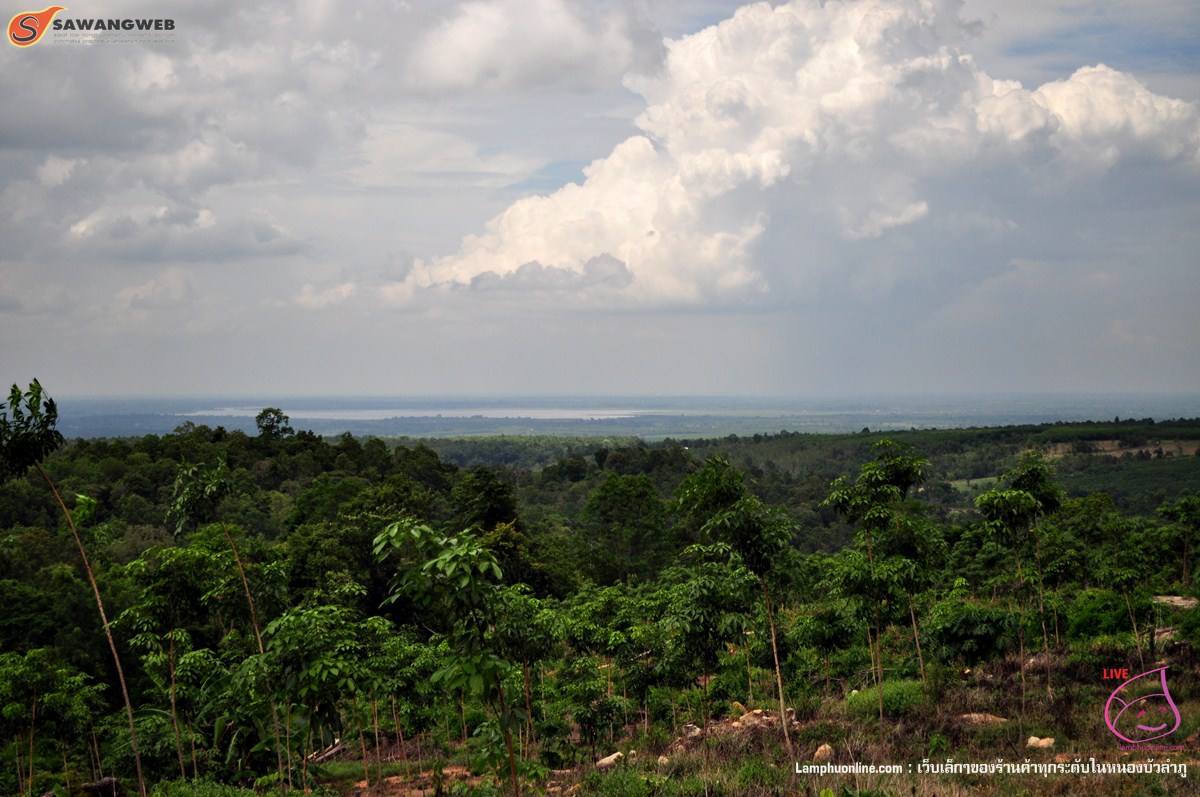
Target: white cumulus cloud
(811, 123)
(499, 43)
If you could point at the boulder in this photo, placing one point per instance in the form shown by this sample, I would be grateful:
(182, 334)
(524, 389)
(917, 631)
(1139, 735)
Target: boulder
(691, 731)
(663, 760)
(1040, 744)
(608, 762)
(982, 719)
(823, 755)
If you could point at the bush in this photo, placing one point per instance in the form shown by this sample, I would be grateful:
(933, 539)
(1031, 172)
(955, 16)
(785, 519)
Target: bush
(199, 788)
(961, 631)
(1097, 612)
(759, 777)
(900, 698)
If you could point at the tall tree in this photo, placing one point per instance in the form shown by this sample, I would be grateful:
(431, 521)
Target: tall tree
(40, 695)
(761, 537)
(1011, 513)
(459, 580)
(1185, 513)
(872, 502)
(273, 424)
(626, 529)
(709, 613)
(197, 493)
(28, 435)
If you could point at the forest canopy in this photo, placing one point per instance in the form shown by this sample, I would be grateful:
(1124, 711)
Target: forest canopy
(222, 608)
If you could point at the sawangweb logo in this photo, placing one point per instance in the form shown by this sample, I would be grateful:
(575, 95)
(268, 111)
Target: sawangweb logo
(27, 27)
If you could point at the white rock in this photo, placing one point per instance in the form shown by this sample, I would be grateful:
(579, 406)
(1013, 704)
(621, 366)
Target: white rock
(611, 761)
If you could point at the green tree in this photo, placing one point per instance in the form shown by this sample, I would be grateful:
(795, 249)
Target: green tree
(625, 529)
(709, 611)
(760, 537)
(460, 581)
(1185, 514)
(27, 436)
(1011, 514)
(529, 632)
(197, 492)
(318, 655)
(173, 583)
(873, 503)
(273, 424)
(482, 501)
(40, 697)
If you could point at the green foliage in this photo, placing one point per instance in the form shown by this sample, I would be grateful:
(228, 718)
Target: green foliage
(45, 705)
(273, 424)
(27, 430)
(760, 777)
(626, 525)
(468, 636)
(1096, 612)
(965, 631)
(901, 698)
(198, 788)
(198, 489)
(709, 609)
(586, 697)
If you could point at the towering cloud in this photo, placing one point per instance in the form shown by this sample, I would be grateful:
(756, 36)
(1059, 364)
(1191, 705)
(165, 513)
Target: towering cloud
(786, 132)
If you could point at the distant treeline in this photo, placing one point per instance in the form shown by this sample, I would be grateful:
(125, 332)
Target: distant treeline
(527, 601)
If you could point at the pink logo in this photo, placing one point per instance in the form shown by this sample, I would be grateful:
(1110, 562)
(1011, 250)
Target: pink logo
(1141, 709)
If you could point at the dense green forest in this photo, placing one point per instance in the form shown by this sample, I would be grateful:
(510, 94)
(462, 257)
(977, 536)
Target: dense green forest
(210, 612)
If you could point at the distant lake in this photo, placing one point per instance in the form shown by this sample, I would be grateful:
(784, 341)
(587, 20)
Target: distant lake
(648, 417)
(386, 413)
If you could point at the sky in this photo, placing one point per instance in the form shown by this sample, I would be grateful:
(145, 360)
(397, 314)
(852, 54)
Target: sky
(605, 197)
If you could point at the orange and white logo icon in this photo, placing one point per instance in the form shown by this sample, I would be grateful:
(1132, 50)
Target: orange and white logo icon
(26, 29)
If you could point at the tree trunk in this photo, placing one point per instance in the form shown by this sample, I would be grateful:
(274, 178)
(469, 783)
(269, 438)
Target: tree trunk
(783, 720)
(876, 671)
(112, 645)
(192, 742)
(512, 759)
(528, 703)
(916, 638)
(400, 734)
(1042, 611)
(237, 558)
(749, 677)
(704, 734)
(98, 770)
(32, 725)
(1137, 639)
(175, 706)
(375, 729)
(362, 746)
(878, 632)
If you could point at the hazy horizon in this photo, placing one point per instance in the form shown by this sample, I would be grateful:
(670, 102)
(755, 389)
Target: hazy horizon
(650, 417)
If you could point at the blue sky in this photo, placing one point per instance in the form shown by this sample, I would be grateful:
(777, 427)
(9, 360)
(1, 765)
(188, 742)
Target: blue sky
(562, 196)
